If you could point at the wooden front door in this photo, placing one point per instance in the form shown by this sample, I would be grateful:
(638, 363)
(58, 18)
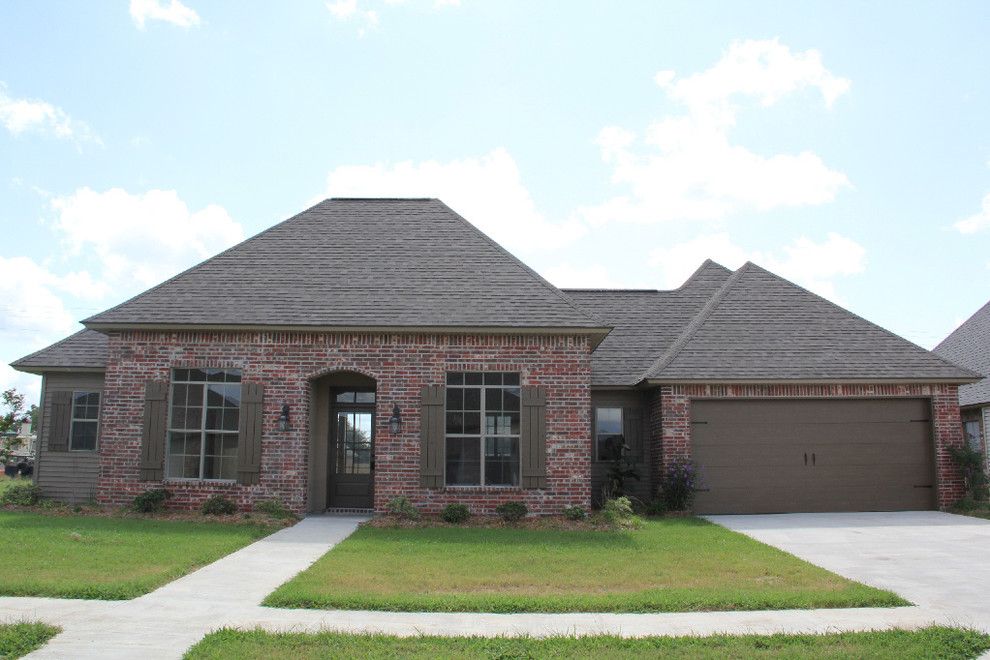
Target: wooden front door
(353, 456)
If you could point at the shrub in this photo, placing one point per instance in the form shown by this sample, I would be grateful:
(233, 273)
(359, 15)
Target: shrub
(677, 483)
(455, 513)
(151, 501)
(218, 505)
(970, 464)
(23, 493)
(575, 513)
(618, 512)
(512, 511)
(656, 507)
(274, 508)
(401, 507)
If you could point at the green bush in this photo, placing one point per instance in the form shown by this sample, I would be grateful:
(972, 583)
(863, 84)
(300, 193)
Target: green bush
(274, 508)
(656, 507)
(22, 493)
(971, 464)
(402, 508)
(677, 485)
(151, 501)
(575, 513)
(512, 511)
(619, 513)
(218, 505)
(455, 513)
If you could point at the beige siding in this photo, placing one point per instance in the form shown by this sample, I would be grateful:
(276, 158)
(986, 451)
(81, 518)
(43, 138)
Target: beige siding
(641, 489)
(68, 476)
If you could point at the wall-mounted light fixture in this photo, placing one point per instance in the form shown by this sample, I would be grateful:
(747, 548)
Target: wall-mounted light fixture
(283, 419)
(395, 421)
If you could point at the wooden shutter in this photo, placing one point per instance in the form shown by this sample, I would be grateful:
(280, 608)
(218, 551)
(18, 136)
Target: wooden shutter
(250, 432)
(431, 436)
(153, 431)
(632, 431)
(58, 439)
(533, 437)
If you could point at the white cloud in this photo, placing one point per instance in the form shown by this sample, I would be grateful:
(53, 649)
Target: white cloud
(344, 11)
(174, 12)
(566, 275)
(33, 311)
(814, 266)
(488, 191)
(137, 240)
(685, 167)
(23, 115)
(976, 222)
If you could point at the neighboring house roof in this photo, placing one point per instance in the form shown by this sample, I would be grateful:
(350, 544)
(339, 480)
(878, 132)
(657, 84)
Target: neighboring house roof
(969, 346)
(645, 322)
(747, 325)
(359, 264)
(87, 349)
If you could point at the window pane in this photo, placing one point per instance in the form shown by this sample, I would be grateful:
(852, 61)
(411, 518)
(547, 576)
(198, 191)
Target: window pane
(608, 447)
(365, 397)
(502, 461)
(181, 374)
(455, 399)
(493, 399)
(472, 399)
(345, 397)
(455, 422)
(472, 422)
(455, 378)
(231, 419)
(214, 418)
(83, 436)
(502, 424)
(510, 398)
(472, 379)
(493, 378)
(609, 421)
(510, 379)
(183, 455)
(463, 461)
(221, 456)
(198, 375)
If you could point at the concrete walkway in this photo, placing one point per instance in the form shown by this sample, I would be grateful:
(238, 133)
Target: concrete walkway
(165, 623)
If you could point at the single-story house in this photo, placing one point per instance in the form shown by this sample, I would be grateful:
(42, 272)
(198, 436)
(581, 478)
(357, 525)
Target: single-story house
(969, 346)
(373, 348)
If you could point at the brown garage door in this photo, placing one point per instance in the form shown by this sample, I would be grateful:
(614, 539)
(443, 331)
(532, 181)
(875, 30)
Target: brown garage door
(789, 455)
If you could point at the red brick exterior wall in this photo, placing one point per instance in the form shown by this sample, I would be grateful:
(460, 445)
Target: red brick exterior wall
(671, 418)
(287, 362)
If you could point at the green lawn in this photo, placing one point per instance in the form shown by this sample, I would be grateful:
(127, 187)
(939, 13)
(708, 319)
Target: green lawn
(670, 565)
(108, 557)
(928, 643)
(17, 639)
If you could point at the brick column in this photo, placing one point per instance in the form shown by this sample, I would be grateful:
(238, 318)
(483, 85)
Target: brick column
(947, 428)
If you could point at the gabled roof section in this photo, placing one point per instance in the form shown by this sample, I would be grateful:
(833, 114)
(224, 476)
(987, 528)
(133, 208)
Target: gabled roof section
(84, 351)
(359, 264)
(760, 327)
(969, 346)
(645, 322)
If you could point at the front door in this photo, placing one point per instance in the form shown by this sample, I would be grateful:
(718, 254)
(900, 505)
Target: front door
(353, 457)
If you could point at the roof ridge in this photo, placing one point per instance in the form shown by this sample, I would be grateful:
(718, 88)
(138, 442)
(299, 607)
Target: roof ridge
(519, 263)
(50, 346)
(250, 239)
(865, 320)
(692, 327)
(606, 290)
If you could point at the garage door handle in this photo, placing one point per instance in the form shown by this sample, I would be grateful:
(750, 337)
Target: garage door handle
(812, 459)
(923, 486)
(805, 458)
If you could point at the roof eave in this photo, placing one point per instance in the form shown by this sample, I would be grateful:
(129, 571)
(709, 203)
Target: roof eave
(42, 370)
(810, 381)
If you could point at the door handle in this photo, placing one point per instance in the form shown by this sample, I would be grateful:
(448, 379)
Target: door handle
(812, 458)
(805, 458)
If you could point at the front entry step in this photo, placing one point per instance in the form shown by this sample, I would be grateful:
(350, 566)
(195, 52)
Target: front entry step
(349, 511)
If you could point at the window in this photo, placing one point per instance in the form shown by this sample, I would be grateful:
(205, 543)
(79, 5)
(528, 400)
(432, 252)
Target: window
(482, 439)
(355, 397)
(608, 433)
(971, 429)
(85, 420)
(203, 424)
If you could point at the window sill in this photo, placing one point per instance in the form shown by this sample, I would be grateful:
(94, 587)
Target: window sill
(215, 482)
(478, 489)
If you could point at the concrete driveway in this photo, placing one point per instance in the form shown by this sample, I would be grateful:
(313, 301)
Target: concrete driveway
(936, 560)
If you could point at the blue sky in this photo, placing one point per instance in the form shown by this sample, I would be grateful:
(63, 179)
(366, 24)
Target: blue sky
(844, 145)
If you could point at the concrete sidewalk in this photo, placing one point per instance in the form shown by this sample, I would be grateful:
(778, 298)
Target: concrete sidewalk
(165, 623)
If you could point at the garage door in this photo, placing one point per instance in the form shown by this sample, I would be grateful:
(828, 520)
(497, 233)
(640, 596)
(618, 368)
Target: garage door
(790, 455)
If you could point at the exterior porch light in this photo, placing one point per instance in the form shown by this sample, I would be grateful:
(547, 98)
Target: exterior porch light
(283, 419)
(395, 421)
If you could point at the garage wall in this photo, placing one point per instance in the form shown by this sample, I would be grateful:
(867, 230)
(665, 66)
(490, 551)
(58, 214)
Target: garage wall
(670, 425)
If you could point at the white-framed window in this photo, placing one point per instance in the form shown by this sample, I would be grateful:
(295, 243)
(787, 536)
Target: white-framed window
(608, 433)
(84, 427)
(204, 418)
(482, 429)
(971, 430)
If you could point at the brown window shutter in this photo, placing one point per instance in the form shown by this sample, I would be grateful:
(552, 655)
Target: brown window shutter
(58, 438)
(249, 433)
(533, 437)
(632, 431)
(154, 430)
(431, 435)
